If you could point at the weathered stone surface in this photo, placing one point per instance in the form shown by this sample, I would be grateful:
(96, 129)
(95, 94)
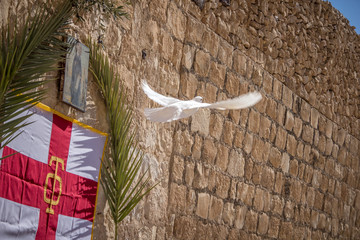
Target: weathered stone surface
(216, 208)
(236, 164)
(202, 209)
(213, 167)
(202, 63)
(201, 121)
(240, 216)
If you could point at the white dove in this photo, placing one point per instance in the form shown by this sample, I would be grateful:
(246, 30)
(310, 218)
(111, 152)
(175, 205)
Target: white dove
(175, 109)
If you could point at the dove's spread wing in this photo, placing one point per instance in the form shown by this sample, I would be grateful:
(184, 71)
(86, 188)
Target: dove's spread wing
(156, 97)
(163, 114)
(243, 101)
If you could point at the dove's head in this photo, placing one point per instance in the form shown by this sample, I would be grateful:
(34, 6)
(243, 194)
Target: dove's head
(198, 99)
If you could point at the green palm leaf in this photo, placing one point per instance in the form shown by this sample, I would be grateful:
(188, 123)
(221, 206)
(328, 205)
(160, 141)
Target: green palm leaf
(120, 179)
(26, 54)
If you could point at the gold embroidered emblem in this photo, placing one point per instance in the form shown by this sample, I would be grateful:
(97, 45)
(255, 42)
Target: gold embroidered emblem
(56, 178)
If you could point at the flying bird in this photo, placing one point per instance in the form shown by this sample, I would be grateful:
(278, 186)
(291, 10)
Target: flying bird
(175, 109)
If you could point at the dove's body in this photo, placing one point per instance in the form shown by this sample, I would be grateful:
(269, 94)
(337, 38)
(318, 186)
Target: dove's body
(174, 109)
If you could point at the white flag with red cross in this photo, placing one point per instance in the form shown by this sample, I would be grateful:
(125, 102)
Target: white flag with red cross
(48, 188)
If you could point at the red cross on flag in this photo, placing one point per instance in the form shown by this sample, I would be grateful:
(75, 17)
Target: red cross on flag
(48, 188)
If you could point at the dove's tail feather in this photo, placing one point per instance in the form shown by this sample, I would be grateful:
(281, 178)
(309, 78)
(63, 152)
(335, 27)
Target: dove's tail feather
(243, 101)
(163, 114)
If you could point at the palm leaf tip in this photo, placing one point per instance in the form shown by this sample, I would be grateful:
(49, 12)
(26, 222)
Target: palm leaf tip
(27, 52)
(124, 185)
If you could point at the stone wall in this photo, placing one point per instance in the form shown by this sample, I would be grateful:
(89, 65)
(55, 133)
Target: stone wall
(287, 168)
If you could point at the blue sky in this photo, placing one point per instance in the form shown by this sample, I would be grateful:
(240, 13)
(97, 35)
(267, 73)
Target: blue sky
(350, 9)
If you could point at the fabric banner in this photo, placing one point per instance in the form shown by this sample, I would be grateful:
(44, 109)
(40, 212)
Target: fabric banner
(48, 186)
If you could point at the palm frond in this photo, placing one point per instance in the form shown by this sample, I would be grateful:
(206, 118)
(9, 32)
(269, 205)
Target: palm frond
(120, 179)
(26, 54)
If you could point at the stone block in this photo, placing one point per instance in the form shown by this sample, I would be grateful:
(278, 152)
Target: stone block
(251, 220)
(215, 210)
(216, 125)
(178, 169)
(318, 204)
(222, 157)
(217, 74)
(267, 177)
(281, 138)
(305, 111)
(232, 84)
(248, 142)
(294, 167)
(188, 56)
(268, 83)
(240, 215)
(188, 84)
(289, 210)
(194, 31)
(201, 122)
(203, 204)
(177, 199)
(289, 121)
(285, 162)
(254, 121)
(201, 176)
(277, 205)
(273, 132)
(258, 150)
(263, 224)
(225, 53)
(209, 151)
(257, 75)
(190, 202)
(281, 114)
(314, 118)
(279, 182)
(239, 138)
(210, 42)
(308, 134)
(277, 89)
(210, 93)
(261, 106)
(328, 146)
(176, 21)
(271, 108)
(240, 63)
(259, 199)
(189, 173)
(274, 226)
(202, 63)
(228, 132)
(244, 114)
(228, 214)
(222, 185)
(291, 145)
(166, 45)
(314, 219)
(183, 142)
(264, 130)
(297, 129)
(236, 164)
(197, 146)
(184, 227)
(300, 150)
(286, 230)
(328, 128)
(245, 193)
(256, 174)
(287, 98)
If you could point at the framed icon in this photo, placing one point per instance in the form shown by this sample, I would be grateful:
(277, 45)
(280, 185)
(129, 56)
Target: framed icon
(76, 76)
